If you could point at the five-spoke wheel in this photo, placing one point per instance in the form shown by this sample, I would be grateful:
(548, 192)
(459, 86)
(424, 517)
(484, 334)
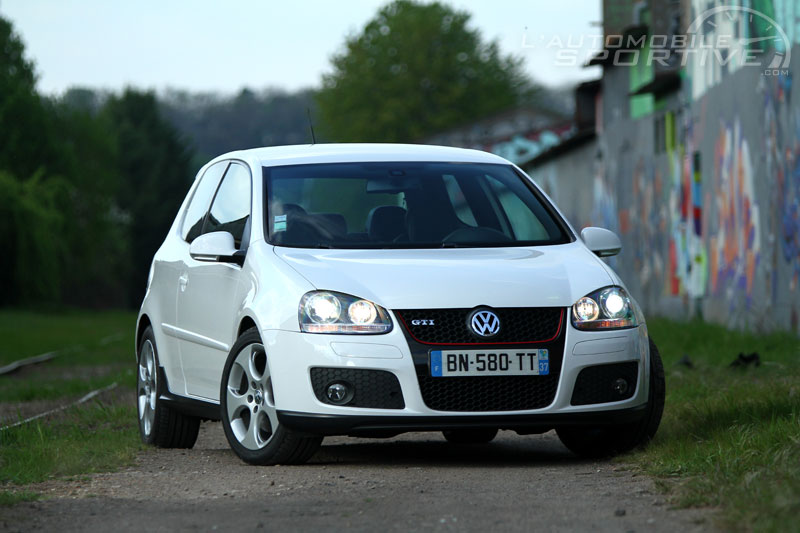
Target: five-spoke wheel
(146, 388)
(249, 415)
(159, 424)
(250, 401)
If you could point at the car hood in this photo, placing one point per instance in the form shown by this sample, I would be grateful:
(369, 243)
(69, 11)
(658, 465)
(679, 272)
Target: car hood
(545, 276)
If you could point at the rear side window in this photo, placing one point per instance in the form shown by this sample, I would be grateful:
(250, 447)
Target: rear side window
(198, 206)
(230, 210)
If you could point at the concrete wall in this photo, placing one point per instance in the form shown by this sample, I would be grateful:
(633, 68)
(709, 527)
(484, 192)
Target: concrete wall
(704, 192)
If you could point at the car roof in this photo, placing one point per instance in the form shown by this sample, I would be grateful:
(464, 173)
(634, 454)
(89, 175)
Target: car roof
(350, 153)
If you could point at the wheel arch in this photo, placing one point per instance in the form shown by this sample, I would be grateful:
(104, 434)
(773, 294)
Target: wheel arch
(144, 322)
(246, 323)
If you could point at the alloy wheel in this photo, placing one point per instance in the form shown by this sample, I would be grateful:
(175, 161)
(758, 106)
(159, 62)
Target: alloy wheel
(250, 401)
(146, 387)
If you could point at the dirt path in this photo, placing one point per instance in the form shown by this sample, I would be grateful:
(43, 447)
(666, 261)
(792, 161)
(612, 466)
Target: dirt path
(412, 482)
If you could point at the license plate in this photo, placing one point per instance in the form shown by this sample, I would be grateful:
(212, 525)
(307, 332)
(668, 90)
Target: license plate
(457, 363)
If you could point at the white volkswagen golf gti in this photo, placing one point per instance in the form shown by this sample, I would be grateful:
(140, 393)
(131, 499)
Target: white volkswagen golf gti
(370, 290)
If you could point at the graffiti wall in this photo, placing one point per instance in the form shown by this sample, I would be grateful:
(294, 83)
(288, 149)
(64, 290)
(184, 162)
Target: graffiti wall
(705, 194)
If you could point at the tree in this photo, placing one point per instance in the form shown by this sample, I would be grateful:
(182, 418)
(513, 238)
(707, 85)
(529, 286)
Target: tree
(415, 70)
(27, 138)
(155, 174)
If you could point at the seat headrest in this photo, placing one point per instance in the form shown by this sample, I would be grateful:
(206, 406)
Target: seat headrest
(333, 223)
(386, 222)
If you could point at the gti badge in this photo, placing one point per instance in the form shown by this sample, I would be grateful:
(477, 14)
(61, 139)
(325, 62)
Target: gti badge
(422, 322)
(484, 323)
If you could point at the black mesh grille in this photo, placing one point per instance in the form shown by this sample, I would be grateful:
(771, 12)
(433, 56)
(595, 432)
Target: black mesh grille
(375, 389)
(517, 325)
(490, 393)
(595, 384)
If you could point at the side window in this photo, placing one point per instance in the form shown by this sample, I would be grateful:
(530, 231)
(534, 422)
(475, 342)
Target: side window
(230, 210)
(525, 227)
(198, 206)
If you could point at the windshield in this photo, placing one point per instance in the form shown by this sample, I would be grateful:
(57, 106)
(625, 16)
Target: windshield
(406, 205)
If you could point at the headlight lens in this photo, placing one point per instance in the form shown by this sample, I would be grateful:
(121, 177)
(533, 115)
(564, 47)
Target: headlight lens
(609, 308)
(323, 308)
(586, 309)
(334, 312)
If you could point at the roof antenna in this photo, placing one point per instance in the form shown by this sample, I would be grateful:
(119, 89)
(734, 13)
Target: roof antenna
(311, 125)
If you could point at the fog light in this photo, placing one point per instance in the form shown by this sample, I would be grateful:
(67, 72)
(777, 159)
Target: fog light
(339, 393)
(620, 386)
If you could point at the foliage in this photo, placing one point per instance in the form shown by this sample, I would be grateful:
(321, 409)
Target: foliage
(416, 69)
(154, 174)
(217, 124)
(730, 437)
(29, 219)
(30, 141)
(88, 188)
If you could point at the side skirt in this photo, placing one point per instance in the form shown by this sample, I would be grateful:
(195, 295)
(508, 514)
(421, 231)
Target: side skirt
(188, 406)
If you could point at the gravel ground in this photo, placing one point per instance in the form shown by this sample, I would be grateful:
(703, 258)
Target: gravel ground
(413, 482)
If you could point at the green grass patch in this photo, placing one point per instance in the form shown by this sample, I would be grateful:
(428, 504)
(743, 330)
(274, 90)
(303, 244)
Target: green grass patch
(13, 497)
(51, 388)
(730, 437)
(28, 333)
(86, 439)
(95, 350)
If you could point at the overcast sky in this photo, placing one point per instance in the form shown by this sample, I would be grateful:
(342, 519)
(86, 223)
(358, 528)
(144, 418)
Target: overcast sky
(212, 45)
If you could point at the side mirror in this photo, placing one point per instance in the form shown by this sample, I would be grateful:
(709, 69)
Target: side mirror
(601, 241)
(216, 247)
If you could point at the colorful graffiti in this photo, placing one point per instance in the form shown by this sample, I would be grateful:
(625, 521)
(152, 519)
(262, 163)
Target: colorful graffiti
(688, 263)
(735, 244)
(705, 190)
(782, 150)
(645, 223)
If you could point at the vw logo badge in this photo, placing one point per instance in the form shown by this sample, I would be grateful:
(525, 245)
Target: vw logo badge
(485, 323)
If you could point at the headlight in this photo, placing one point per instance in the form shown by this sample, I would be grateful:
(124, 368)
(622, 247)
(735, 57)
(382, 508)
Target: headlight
(334, 312)
(608, 308)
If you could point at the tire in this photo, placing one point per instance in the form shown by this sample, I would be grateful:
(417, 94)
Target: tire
(599, 442)
(248, 412)
(470, 436)
(158, 424)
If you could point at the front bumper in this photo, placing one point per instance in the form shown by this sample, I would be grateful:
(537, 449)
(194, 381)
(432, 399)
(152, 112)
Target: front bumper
(292, 355)
(318, 424)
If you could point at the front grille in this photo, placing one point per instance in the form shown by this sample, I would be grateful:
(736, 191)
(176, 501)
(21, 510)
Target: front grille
(536, 327)
(595, 383)
(518, 325)
(375, 389)
(490, 393)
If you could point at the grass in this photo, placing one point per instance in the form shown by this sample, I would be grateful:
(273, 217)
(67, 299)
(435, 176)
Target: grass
(11, 497)
(95, 349)
(28, 333)
(730, 437)
(94, 438)
(91, 355)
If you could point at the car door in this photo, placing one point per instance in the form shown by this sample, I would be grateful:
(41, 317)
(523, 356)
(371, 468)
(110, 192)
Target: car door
(169, 266)
(210, 293)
